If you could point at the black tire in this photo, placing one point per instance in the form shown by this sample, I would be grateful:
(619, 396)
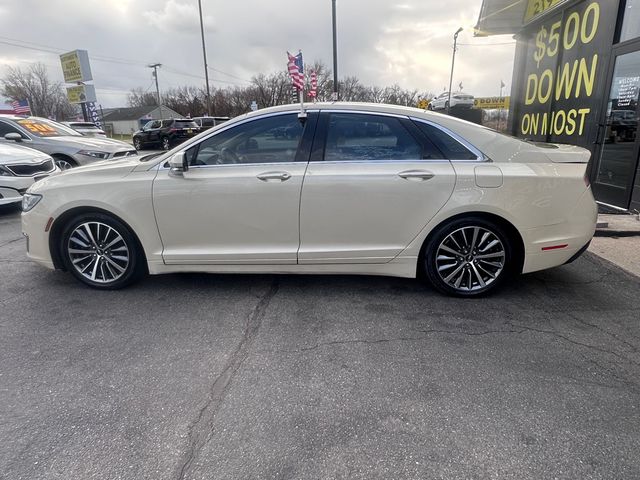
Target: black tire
(473, 271)
(137, 143)
(101, 261)
(430, 107)
(166, 143)
(446, 105)
(63, 162)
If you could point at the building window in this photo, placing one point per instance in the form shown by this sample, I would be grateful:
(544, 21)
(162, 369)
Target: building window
(631, 20)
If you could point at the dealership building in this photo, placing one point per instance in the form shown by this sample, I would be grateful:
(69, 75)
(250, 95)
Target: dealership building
(576, 80)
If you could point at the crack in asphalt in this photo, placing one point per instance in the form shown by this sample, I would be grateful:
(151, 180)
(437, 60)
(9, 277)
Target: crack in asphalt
(201, 430)
(8, 242)
(633, 347)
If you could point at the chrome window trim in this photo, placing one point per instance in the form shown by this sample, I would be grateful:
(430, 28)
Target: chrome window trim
(480, 157)
(390, 162)
(189, 143)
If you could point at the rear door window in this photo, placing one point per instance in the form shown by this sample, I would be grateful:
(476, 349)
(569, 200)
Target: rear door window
(364, 137)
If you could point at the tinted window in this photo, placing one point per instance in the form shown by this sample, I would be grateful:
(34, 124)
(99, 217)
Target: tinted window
(448, 145)
(7, 128)
(185, 124)
(206, 122)
(265, 140)
(354, 136)
(167, 123)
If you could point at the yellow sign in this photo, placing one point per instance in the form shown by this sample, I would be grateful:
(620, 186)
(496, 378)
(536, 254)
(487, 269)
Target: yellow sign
(491, 102)
(537, 7)
(423, 103)
(81, 94)
(75, 66)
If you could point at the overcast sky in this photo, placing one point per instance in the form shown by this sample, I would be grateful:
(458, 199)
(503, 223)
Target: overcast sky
(381, 42)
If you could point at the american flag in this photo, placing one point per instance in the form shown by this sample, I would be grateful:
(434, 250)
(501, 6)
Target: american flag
(21, 106)
(314, 85)
(296, 70)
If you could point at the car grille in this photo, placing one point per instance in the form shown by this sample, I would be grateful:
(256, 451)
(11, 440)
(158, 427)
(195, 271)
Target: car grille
(29, 170)
(125, 154)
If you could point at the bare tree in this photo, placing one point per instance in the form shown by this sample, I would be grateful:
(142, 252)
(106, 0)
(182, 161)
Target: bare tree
(139, 98)
(46, 98)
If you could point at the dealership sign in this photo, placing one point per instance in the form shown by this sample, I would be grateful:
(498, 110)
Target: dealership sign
(81, 94)
(491, 102)
(75, 66)
(563, 62)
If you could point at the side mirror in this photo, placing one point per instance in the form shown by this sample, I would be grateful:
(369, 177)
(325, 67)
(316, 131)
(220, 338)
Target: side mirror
(16, 137)
(178, 164)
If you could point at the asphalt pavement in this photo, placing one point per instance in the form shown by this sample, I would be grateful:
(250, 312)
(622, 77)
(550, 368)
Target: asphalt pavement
(317, 377)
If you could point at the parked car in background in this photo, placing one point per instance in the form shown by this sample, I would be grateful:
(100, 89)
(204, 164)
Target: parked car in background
(356, 189)
(87, 129)
(458, 100)
(67, 147)
(20, 167)
(205, 123)
(165, 133)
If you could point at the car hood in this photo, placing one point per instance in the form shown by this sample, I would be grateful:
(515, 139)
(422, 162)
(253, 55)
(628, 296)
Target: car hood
(84, 143)
(11, 154)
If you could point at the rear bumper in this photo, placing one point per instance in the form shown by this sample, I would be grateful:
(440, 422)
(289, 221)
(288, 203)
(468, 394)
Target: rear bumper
(554, 245)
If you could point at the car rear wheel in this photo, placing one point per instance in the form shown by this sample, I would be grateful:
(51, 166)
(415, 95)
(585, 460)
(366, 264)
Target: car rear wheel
(166, 143)
(468, 257)
(101, 251)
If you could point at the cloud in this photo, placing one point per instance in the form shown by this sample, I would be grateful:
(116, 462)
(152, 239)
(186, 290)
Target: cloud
(177, 17)
(382, 42)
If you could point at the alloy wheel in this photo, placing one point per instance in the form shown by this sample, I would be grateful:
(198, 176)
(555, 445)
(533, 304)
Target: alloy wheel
(63, 164)
(98, 252)
(470, 258)
(166, 144)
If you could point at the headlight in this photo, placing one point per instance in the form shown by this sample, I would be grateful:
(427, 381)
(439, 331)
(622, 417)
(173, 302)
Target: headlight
(94, 154)
(30, 200)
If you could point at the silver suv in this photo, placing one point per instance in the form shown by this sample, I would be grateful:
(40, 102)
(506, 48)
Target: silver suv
(67, 147)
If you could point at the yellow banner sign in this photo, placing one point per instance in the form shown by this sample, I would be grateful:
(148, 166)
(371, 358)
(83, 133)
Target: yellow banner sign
(537, 7)
(491, 102)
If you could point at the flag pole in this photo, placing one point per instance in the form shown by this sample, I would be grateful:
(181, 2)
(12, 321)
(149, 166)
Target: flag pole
(302, 113)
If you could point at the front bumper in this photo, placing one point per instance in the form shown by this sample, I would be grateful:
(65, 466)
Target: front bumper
(34, 223)
(12, 188)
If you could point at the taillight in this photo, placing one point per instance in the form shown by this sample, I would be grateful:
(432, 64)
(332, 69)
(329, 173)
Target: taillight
(173, 130)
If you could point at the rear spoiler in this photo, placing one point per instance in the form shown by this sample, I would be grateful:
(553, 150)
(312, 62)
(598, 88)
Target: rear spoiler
(560, 153)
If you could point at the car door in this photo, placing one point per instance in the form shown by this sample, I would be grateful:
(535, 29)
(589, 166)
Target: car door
(373, 183)
(238, 203)
(151, 134)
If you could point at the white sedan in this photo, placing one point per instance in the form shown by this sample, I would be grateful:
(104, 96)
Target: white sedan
(20, 167)
(355, 189)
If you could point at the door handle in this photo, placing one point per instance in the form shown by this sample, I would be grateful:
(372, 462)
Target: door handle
(266, 176)
(416, 174)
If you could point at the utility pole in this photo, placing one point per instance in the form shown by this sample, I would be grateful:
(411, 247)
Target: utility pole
(453, 60)
(335, 52)
(204, 55)
(155, 75)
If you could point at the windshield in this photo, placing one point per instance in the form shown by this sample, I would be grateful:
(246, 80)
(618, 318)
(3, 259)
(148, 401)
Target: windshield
(42, 127)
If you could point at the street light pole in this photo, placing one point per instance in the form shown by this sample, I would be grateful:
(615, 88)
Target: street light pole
(335, 51)
(155, 75)
(204, 55)
(453, 60)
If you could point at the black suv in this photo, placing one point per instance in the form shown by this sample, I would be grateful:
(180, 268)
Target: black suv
(165, 133)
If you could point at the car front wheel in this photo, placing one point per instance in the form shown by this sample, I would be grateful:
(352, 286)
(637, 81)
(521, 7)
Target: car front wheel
(101, 251)
(468, 257)
(137, 144)
(166, 143)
